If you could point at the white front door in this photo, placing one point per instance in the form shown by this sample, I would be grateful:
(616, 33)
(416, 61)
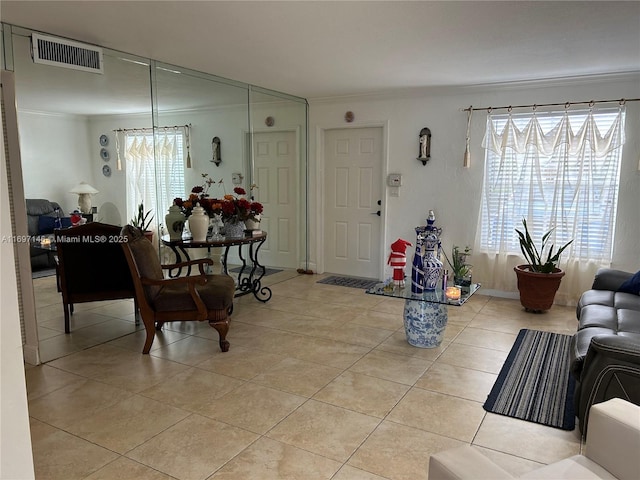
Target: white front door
(276, 175)
(352, 192)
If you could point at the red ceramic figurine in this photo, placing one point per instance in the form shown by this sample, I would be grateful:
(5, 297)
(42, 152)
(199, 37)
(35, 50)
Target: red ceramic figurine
(398, 260)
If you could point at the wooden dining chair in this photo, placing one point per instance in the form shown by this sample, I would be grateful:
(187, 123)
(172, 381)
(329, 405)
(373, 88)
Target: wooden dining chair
(191, 298)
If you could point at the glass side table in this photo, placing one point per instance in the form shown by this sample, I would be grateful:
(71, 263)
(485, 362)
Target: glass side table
(425, 314)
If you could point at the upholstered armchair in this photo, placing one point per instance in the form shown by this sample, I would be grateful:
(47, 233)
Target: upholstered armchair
(90, 266)
(191, 298)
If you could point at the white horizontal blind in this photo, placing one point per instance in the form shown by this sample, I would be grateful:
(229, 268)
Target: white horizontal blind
(567, 183)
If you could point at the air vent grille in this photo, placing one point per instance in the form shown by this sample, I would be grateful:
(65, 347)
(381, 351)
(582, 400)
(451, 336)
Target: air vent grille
(65, 53)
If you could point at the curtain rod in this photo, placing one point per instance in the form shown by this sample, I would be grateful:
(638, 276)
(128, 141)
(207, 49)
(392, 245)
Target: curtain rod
(621, 101)
(149, 129)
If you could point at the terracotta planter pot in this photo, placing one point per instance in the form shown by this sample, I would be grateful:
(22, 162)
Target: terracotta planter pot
(537, 290)
(148, 234)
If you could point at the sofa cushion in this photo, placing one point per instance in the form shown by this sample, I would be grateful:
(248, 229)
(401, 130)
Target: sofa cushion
(627, 301)
(595, 297)
(632, 285)
(47, 223)
(599, 316)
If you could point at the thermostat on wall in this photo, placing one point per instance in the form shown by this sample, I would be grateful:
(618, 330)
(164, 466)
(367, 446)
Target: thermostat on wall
(394, 180)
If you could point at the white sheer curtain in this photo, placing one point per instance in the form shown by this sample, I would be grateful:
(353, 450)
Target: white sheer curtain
(557, 170)
(155, 171)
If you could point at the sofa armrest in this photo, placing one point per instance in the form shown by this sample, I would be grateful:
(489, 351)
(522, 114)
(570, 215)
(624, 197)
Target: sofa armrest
(609, 279)
(611, 369)
(464, 463)
(614, 437)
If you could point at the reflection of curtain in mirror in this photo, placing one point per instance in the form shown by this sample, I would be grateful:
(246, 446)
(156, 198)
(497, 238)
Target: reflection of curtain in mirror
(154, 182)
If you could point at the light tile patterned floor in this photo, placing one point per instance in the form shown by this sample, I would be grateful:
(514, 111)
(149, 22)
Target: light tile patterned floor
(319, 383)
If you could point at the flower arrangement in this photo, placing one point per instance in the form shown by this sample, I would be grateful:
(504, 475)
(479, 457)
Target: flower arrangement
(232, 208)
(236, 208)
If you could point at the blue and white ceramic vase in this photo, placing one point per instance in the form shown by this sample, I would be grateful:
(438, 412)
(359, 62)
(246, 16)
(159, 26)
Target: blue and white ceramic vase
(432, 266)
(424, 322)
(199, 224)
(417, 268)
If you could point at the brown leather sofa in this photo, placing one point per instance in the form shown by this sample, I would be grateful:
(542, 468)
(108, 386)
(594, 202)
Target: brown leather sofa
(605, 351)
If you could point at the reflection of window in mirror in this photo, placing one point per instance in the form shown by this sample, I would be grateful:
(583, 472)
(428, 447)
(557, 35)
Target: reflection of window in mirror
(155, 184)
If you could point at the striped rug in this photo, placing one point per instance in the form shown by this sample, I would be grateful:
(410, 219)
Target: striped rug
(534, 383)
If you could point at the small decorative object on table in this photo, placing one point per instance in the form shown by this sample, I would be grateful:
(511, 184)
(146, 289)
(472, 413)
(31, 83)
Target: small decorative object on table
(398, 260)
(233, 229)
(453, 293)
(199, 224)
(460, 268)
(175, 220)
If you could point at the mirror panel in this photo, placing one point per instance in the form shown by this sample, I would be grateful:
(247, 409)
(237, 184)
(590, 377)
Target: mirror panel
(279, 169)
(211, 107)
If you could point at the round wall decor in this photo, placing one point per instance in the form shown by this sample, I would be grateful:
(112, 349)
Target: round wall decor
(104, 154)
(106, 170)
(104, 140)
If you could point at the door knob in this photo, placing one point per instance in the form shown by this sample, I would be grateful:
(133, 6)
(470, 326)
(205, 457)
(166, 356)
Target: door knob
(376, 213)
(379, 202)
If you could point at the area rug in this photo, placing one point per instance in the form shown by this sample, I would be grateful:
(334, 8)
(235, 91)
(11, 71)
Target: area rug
(349, 282)
(535, 384)
(247, 269)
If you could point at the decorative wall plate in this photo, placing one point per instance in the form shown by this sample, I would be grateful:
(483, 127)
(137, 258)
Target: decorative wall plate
(104, 140)
(106, 170)
(104, 154)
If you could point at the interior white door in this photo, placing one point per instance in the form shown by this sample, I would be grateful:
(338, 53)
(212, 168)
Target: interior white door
(352, 192)
(276, 175)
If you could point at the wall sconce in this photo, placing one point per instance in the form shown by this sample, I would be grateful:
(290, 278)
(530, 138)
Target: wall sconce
(424, 151)
(215, 147)
(84, 191)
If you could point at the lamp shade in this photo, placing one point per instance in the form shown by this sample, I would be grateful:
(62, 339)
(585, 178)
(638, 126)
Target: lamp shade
(84, 192)
(83, 187)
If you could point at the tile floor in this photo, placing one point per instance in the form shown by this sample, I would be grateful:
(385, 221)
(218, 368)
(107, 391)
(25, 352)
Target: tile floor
(319, 383)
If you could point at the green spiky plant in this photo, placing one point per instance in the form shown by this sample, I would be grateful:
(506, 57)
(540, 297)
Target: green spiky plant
(534, 256)
(142, 219)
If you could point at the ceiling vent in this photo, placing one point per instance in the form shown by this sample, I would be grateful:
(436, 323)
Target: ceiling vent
(65, 53)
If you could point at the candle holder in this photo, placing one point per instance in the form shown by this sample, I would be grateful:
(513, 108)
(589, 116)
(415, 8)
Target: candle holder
(453, 293)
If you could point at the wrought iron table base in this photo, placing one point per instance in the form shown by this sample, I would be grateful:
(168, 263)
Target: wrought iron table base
(250, 274)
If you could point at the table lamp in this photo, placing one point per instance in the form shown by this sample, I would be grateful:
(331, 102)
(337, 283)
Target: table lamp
(84, 191)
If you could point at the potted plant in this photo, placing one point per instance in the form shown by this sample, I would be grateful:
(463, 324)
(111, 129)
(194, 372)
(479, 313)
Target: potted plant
(142, 221)
(459, 267)
(539, 279)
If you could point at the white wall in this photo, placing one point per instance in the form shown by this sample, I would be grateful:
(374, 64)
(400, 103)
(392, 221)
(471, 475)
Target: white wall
(443, 184)
(56, 155)
(16, 460)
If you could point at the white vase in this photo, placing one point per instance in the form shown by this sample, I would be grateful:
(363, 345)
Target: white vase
(198, 224)
(174, 220)
(252, 224)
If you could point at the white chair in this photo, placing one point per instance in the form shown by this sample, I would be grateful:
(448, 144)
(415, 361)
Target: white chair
(612, 452)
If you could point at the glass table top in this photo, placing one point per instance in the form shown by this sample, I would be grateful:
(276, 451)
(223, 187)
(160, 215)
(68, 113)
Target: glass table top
(436, 296)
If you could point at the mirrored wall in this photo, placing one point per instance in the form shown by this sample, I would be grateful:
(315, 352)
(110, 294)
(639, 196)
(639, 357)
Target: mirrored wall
(77, 126)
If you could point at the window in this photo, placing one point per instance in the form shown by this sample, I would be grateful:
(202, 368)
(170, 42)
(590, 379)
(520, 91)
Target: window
(154, 180)
(558, 171)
